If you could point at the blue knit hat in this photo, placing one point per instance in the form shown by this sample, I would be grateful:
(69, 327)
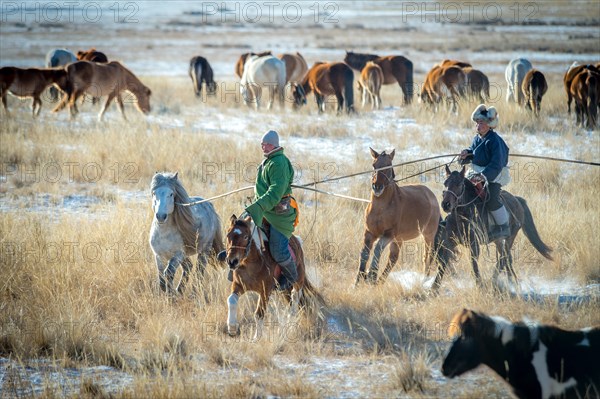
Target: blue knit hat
(271, 137)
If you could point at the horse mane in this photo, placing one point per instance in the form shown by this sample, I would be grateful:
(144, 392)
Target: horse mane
(183, 216)
(469, 323)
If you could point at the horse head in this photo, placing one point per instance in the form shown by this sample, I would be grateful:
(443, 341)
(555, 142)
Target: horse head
(455, 188)
(464, 354)
(298, 94)
(163, 196)
(238, 240)
(382, 178)
(142, 95)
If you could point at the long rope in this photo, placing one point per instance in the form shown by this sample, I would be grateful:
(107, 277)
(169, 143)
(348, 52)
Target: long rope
(330, 193)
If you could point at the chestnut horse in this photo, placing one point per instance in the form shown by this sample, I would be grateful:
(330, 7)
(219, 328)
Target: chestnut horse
(201, 71)
(585, 89)
(327, 79)
(254, 269)
(478, 84)
(573, 71)
(456, 63)
(444, 83)
(92, 55)
(534, 87)
(98, 80)
(30, 82)
(295, 67)
(369, 84)
(394, 215)
(396, 68)
(239, 65)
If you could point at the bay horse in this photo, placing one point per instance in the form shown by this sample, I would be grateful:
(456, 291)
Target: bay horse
(239, 65)
(263, 73)
(326, 79)
(55, 58)
(441, 83)
(200, 71)
(514, 74)
(467, 223)
(254, 269)
(110, 79)
(585, 89)
(538, 361)
(30, 82)
(295, 66)
(394, 215)
(178, 232)
(478, 84)
(369, 84)
(396, 68)
(92, 55)
(573, 71)
(534, 87)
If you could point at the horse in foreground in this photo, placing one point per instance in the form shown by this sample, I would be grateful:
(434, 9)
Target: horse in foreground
(30, 82)
(534, 87)
(394, 215)
(96, 79)
(254, 269)
(467, 223)
(327, 79)
(538, 361)
(179, 231)
(201, 72)
(295, 66)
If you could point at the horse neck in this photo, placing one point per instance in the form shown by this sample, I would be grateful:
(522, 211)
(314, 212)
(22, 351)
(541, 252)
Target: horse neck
(306, 85)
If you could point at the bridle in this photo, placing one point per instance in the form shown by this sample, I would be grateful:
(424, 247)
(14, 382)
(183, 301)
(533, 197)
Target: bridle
(459, 197)
(247, 247)
(389, 179)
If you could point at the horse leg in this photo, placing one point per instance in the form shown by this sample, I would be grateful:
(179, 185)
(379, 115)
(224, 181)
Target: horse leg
(364, 256)
(161, 279)
(232, 305)
(320, 102)
(111, 96)
(379, 247)
(446, 247)
(394, 252)
(4, 103)
(186, 264)
(474, 245)
(340, 101)
(259, 315)
(171, 269)
(271, 97)
(364, 96)
(121, 106)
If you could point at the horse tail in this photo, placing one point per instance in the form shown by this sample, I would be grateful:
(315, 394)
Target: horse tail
(531, 231)
(349, 89)
(486, 87)
(592, 104)
(310, 292)
(408, 83)
(194, 76)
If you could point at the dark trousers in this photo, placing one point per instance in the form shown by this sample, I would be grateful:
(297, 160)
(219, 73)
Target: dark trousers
(493, 202)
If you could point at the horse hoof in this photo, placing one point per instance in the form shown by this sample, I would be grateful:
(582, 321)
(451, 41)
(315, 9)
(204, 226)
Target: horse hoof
(233, 331)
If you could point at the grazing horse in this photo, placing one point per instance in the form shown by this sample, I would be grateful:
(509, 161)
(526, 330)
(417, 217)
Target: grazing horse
(239, 65)
(456, 63)
(585, 89)
(30, 82)
(327, 79)
(514, 74)
(254, 269)
(396, 68)
(537, 361)
(92, 55)
(573, 71)
(534, 87)
(369, 84)
(98, 80)
(295, 67)
(444, 83)
(201, 71)
(394, 215)
(55, 58)
(478, 84)
(263, 72)
(467, 222)
(179, 231)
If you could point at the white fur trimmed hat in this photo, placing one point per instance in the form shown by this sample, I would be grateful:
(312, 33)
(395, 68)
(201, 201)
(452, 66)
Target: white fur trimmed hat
(487, 115)
(271, 137)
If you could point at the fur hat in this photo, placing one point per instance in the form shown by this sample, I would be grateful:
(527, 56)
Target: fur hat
(487, 115)
(271, 137)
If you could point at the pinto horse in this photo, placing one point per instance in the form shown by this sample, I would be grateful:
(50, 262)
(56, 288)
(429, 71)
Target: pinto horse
(534, 87)
(30, 82)
(467, 223)
(97, 79)
(239, 65)
(327, 79)
(444, 83)
(585, 89)
(256, 270)
(394, 215)
(573, 71)
(92, 55)
(369, 84)
(201, 71)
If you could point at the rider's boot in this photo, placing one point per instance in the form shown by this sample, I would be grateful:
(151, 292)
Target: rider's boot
(502, 228)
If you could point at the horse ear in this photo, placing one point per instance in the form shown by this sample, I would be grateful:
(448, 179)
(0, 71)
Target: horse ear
(374, 153)
(176, 174)
(233, 218)
(393, 153)
(447, 171)
(462, 172)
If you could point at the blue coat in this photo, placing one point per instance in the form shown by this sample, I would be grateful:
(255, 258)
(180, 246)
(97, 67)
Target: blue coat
(489, 152)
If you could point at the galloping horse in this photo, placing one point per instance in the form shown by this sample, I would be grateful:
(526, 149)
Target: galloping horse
(394, 215)
(201, 71)
(30, 82)
(534, 87)
(396, 68)
(369, 84)
(514, 74)
(263, 72)
(239, 65)
(327, 79)
(55, 58)
(295, 67)
(478, 84)
(585, 89)
(179, 231)
(109, 79)
(466, 224)
(444, 83)
(255, 270)
(92, 55)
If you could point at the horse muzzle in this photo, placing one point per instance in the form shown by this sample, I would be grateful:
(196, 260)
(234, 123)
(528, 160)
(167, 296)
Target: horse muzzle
(233, 263)
(161, 217)
(377, 189)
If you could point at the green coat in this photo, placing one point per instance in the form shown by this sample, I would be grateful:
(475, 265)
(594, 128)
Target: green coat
(273, 182)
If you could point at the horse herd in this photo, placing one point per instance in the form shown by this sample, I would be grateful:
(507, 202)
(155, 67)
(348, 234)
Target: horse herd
(287, 77)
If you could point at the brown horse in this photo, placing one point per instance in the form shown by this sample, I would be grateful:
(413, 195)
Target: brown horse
(30, 82)
(467, 223)
(92, 55)
(394, 215)
(369, 84)
(98, 80)
(396, 68)
(456, 63)
(239, 65)
(534, 87)
(570, 75)
(327, 79)
(295, 67)
(585, 89)
(444, 83)
(254, 269)
(478, 84)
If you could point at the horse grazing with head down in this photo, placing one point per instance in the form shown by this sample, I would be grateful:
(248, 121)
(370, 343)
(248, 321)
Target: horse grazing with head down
(467, 223)
(200, 71)
(326, 79)
(394, 215)
(441, 83)
(92, 55)
(263, 73)
(55, 58)
(534, 87)
(478, 84)
(585, 89)
(110, 80)
(179, 231)
(514, 74)
(254, 269)
(30, 82)
(396, 68)
(538, 361)
(369, 84)
(573, 71)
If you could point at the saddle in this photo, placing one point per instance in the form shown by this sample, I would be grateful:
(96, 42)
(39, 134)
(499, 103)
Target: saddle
(265, 231)
(480, 185)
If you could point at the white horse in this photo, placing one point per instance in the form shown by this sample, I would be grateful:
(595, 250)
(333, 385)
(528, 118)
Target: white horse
(266, 71)
(515, 74)
(179, 231)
